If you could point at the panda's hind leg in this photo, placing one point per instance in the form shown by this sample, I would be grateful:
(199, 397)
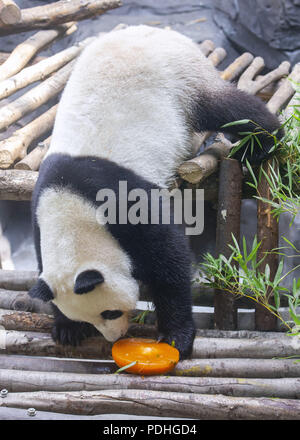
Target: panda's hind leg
(68, 332)
(212, 111)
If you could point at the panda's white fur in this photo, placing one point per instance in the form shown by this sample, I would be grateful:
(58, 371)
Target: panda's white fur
(129, 100)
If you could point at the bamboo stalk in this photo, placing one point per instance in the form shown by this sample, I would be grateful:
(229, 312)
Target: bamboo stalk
(17, 184)
(31, 381)
(10, 13)
(60, 12)
(18, 300)
(25, 51)
(33, 160)
(157, 403)
(15, 147)
(35, 97)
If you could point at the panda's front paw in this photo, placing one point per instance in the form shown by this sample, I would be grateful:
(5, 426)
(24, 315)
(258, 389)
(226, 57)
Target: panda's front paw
(72, 332)
(181, 339)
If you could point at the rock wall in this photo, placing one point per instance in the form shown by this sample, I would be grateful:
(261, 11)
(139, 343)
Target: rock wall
(269, 28)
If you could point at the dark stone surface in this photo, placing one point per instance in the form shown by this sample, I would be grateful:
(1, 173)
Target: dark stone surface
(268, 28)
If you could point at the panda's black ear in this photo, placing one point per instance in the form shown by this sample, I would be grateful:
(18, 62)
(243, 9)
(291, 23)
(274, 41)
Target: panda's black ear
(41, 290)
(87, 281)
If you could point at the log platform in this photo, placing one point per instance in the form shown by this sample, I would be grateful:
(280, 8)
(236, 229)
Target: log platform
(233, 373)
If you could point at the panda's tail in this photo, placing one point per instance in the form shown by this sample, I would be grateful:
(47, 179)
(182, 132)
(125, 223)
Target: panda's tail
(230, 105)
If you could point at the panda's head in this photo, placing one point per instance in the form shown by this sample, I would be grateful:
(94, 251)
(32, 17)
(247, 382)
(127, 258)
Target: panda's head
(86, 273)
(94, 300)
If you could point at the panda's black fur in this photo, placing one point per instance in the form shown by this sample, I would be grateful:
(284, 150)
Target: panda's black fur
(159, 253)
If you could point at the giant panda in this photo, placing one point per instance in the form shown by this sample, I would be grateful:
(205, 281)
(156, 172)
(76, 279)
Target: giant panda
(127, 113)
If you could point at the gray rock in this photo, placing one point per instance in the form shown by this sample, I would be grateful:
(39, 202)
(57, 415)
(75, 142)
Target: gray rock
(267, 28)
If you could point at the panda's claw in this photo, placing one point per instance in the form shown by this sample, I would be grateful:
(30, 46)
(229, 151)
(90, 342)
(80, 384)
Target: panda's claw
(72, 333)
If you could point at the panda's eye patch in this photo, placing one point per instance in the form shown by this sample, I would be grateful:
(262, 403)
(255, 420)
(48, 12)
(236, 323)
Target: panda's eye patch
(111, 314)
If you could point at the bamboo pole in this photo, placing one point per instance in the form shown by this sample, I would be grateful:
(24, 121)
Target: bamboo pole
(25, 51)
(33, 160)
(15, 147)
(17, 184)
(237, 67)
(157, 403)
(60, 12)
(31, 381)
(10, 13)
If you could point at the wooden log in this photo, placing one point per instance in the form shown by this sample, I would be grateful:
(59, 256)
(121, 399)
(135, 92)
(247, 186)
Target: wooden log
(15, 147)
(5, 55)
(228, 224)
(60, 12)
(239, 367)
(33, 160)
(234, 70)
(59, 365)
(25, 321)
(41, 70)
(217, 56)
(41, 344)
(25, 51)
(200, 167)
(35, 97)
(18, 279)
(31, 381)
(17, 184)
(157, 403)
(18, 300)
(268, 234)
(206, 47)
(247, 83)
(285, 91)
(10, 13)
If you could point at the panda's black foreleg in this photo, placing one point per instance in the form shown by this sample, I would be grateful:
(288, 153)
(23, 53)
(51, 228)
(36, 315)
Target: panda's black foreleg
(213, 112)
(174, 318)
(68, 332)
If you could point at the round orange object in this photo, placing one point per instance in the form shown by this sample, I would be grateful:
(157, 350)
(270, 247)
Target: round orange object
(151, 357)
